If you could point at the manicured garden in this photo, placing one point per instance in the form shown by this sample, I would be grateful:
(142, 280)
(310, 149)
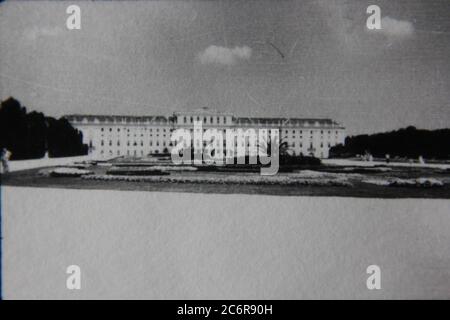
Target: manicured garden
(308, 180)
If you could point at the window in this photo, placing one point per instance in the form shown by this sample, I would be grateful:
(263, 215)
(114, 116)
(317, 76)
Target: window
(218, 120)
(102, 143)
(184, 119)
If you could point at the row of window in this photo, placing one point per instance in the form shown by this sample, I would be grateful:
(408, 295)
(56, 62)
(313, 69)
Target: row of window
(204, 130)
(163, 143)
(151, 135)
(205, 119)
(156, 151)
(129, 153)
(128, 130)
(164, 130)
(157, 143)
(311, 131)
(292, 144)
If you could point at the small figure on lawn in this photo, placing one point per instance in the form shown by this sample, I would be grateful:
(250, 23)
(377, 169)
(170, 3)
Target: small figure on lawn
(421, 161)
(5, 155)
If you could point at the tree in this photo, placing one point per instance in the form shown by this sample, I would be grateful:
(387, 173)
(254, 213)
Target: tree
(408, 142)
(31, 135)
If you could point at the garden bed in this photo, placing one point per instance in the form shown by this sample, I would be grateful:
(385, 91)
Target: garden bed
(245, 180)
(68, 172)
(136, 171)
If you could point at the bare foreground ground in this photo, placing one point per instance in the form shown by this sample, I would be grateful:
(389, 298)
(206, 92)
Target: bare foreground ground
(188, 245)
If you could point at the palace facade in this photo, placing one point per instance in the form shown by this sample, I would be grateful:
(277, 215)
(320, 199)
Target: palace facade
(137, 136)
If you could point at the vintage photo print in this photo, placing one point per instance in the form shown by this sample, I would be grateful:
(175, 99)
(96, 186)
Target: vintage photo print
(203, 150)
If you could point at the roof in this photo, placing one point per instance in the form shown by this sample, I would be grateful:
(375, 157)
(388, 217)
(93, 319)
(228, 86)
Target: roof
(246, 121)
(203, 111)
(113, 118)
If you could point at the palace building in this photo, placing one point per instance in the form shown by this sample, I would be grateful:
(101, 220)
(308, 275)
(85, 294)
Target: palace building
(137, 136)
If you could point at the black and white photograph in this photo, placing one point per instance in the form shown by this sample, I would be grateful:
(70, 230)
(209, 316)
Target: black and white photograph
(225, 150)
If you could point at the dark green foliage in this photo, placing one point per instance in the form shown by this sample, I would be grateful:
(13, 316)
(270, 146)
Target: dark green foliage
(31, 135)
(295, 161)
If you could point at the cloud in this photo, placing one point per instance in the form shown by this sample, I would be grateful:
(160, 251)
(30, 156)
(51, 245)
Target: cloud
(38, 32)
(223, 55)
(396, 28)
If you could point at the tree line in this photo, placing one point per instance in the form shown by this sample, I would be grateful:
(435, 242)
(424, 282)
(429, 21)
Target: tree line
(408, 142)
(30, 135)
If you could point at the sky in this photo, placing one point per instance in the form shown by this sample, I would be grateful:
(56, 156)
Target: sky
(310, 58)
